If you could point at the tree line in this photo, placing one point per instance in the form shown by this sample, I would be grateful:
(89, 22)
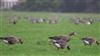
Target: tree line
(60, 5)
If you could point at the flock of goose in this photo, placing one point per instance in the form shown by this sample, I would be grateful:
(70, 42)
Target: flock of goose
(50, 20)
(60, 42)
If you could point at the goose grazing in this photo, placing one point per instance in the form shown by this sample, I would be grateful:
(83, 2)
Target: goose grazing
(89, 41)
(83, 21)
(90, 20)
(61, 44)
(62, 41)
(51, 21)
(11, 40)
(14, 19)
(65, 38)
(39, 20)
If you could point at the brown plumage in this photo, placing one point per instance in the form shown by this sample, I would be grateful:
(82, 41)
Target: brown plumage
(65, 38)
(61, 44)
(83, 21)
(89, 41)
(11, 40)
(62, 41)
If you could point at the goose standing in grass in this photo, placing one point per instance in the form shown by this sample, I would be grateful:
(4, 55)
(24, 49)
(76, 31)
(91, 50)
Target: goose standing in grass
(51, 21)
(14, 19)
(11, 40)
(62, 41)
(39, 20)
(59, 43)
(83, 21)
(65, 38)
(36, 20)
(89, 41)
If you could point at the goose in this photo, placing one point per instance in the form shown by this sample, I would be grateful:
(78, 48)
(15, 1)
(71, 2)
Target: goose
(14, 19)
(11, 40)
(39, 20)
(83, 21)
(61, 41)
(89, 41)
(65, 38)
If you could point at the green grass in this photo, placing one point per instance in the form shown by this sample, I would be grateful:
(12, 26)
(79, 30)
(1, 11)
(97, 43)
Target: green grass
(31, 34)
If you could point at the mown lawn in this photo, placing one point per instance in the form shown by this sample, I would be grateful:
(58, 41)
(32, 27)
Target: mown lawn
(32, 34)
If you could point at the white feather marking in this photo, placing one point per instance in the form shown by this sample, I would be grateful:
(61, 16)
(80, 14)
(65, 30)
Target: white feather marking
(86, 42)
(54, 41)
(57, 45)
(88, 23)
(5, 41)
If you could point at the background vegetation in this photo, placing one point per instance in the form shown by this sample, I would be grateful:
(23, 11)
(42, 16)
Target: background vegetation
(60, 5)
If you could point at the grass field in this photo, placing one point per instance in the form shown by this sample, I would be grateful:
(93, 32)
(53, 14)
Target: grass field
(32, 34)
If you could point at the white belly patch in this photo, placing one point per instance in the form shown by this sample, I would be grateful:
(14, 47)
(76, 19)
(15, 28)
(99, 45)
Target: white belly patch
(88, 23)
(5, 41)
(57, 45)
(86, 42)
